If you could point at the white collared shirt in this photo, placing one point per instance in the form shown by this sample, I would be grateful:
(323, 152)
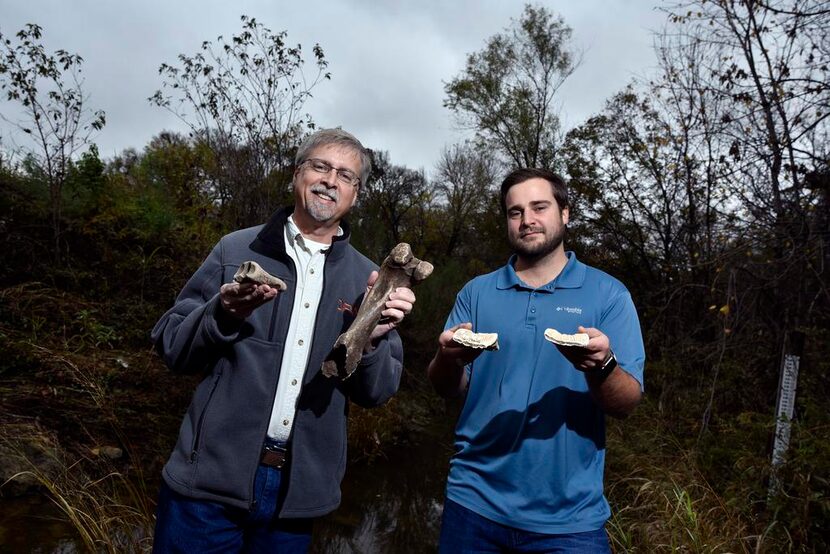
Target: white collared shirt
(309, 258)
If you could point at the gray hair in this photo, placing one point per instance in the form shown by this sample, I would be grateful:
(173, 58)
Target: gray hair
(336, 137)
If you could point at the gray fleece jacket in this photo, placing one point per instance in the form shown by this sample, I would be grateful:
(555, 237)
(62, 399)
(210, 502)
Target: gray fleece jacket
(221, 437)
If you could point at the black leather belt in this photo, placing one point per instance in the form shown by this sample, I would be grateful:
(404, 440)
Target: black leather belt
(273, 456)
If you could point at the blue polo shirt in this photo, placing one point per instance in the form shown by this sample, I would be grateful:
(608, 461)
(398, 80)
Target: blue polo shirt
(530, 441)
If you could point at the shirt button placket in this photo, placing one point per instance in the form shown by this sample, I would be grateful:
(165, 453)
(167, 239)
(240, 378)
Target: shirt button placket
(531, 310)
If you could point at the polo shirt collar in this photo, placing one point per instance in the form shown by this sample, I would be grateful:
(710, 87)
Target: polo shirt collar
(571, 277)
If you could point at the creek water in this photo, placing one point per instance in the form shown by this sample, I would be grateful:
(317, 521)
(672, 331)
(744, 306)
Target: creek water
(34, 524)
(390, 506)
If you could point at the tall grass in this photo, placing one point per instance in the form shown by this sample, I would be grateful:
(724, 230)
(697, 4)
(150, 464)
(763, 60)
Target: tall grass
(110, 512)
(665, 499)
(70, 390)
(672, 486)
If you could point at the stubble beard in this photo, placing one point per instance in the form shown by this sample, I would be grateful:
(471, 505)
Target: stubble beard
(537, 251)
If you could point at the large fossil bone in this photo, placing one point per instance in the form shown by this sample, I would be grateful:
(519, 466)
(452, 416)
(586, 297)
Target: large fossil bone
(252, 272)
(400, 269)
(577, 339)
(482, 341)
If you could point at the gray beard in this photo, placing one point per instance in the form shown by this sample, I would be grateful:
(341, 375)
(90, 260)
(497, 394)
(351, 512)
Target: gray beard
(316, 209)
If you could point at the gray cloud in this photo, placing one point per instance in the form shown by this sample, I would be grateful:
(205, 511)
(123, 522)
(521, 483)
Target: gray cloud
(389, 60)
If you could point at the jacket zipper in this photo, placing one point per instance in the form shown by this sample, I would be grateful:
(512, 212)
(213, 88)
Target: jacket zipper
(313, 335)
(252, 503)
(194, 452)
(271, 332)
(272, 329)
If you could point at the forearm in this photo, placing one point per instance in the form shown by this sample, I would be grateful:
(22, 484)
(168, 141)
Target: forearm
(378, 374)
(447, 374)
(617, 395)
(190, 333)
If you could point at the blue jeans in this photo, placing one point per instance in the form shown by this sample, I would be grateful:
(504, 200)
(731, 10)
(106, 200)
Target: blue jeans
(187, 525)
(465, 532)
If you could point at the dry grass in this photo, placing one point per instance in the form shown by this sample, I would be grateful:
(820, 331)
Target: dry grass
(109, 513)
(58, 380)
(663, 502)
(668, 490)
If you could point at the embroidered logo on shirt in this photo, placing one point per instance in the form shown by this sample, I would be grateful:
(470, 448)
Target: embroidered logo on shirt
(570, 310)
(345, 307)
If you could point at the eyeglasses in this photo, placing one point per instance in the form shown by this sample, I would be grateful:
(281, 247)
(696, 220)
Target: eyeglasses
(344, 176)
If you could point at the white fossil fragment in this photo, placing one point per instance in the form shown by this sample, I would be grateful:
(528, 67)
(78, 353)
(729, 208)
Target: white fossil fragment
(486, 341)
(251, 271)
(577, 339)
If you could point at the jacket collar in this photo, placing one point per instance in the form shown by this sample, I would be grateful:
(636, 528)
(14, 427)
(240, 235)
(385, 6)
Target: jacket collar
(571, 277)
(270, 241)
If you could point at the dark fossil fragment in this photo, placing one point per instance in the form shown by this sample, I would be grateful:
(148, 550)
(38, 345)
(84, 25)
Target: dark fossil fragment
(252, 272)
(400, 269)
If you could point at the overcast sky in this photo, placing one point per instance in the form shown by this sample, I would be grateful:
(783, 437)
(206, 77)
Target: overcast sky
(389, 59)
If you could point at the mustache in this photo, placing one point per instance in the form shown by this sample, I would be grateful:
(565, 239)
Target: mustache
(530, 230)
(323, 190)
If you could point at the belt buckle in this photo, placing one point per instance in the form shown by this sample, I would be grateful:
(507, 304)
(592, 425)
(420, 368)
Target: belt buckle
(274, 448)
(273, 456)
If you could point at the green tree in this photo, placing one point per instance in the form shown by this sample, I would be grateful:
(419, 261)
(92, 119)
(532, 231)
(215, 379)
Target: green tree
(769, 67)
(48, 90)
(464, 183)
(506, 91)
(243, 99)
(86, 184)
(644, 183)
(391, 207)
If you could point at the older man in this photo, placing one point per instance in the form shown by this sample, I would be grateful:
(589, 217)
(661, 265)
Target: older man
(262, 448)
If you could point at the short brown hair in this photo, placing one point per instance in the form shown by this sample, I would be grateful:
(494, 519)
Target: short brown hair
(557, 184)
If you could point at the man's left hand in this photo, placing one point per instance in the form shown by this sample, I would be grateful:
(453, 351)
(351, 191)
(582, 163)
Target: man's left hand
(398, 304)
(591, 357)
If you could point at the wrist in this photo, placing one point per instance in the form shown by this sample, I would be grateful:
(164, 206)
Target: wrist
(601, 372)
(448, 357)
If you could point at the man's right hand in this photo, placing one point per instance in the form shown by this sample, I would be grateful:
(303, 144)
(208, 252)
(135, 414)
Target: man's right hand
(446, 370)
(462, 355)
(239, 300)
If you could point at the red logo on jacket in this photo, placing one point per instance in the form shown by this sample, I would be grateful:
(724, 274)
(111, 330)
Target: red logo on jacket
(343, 306)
